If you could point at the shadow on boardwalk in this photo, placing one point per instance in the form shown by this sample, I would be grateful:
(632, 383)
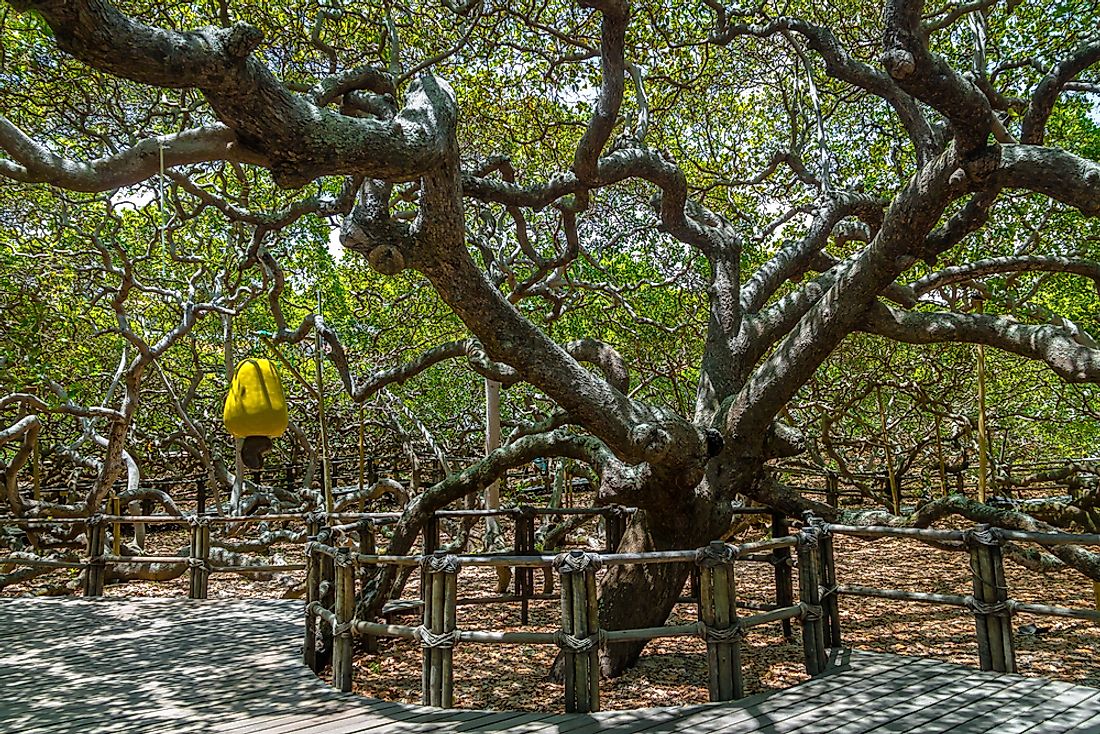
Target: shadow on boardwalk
(175, 666)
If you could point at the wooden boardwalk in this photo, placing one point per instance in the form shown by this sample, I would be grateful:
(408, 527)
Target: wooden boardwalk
(177, 666)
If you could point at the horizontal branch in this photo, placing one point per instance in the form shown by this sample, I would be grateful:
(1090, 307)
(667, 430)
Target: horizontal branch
(32, 162)
(1056, 347)
(297, 139)
(999, 265)
(1033, 129)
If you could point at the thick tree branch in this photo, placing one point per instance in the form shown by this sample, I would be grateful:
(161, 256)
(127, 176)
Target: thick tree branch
(839, 64)
(298, 139)
(613, 77)
(1073, 361)
(794, 259)
(928, 77)
(997, 265)
(1033, 128)
(32, 162)
(1061, 175)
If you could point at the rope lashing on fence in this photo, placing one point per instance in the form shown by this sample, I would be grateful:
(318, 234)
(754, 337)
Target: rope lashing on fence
(716, 554)
(808, 536)
(569, 643)
(198, 521)
(198, 563)
(810, 612)
(343, 558)
(1004, 609)
(733, 633)
(430, 640)
(577, 561)
(440, 562)
(983, 535)
(93, 520)
(341, 629)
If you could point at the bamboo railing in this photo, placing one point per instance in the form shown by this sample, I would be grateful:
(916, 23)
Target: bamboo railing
(990, 603)
(332, 570)
(98, 559)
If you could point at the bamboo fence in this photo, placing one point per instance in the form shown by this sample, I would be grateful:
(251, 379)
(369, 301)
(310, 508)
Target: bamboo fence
(579, 637)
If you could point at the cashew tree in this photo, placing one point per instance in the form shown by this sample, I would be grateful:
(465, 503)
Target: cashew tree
(788, 174)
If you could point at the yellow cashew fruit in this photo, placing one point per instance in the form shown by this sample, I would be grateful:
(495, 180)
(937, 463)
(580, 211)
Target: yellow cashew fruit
(255, 405)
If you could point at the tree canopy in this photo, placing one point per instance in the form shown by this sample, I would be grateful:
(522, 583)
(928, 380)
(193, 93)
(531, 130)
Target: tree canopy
(660, 225)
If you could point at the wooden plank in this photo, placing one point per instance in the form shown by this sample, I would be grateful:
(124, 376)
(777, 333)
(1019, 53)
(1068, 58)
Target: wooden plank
(877, 694)
(1032, 712)
(1071, 718)
(174, 666)
(941, 697)
(963, 710)
(768, 707)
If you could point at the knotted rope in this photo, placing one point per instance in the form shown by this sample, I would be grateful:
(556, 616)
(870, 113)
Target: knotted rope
(198, 521)
(440, 562)
(734, 633)
(343, 558)
(808, 537)
(984, 535)
(716, 554)
(571, 644)
(430, 640)
(1003, 609)
(577, 561)
(810, 612)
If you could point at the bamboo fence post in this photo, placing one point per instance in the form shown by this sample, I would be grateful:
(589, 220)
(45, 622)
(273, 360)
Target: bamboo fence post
(116, 527)
(525, 545)
(990, 603)
(326, 596)
(827, 574)
(891, 477)
(832, 488)
(784, 578)
(939, 456)
(579, 637)
(720, 626)
(983, 428)
(362, 455)
(96, 571)
(439, 632)
(367, 573)
(36, 471)
(313, 584)
(809, 587)
(345, 611)
(198, 560)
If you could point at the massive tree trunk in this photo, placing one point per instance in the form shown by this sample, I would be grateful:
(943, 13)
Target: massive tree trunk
(643, 595)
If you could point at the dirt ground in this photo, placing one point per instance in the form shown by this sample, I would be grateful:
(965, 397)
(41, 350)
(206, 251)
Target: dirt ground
(673, 671)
